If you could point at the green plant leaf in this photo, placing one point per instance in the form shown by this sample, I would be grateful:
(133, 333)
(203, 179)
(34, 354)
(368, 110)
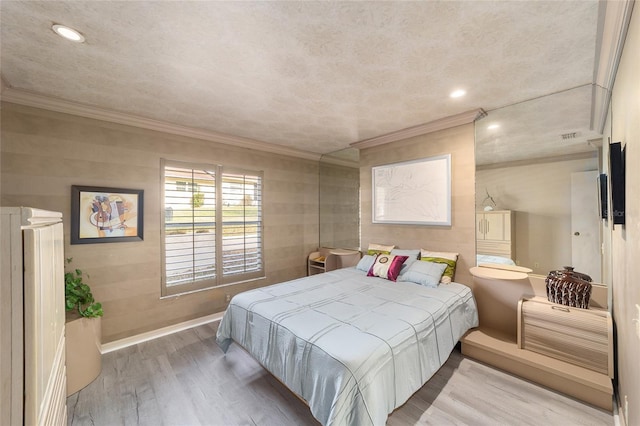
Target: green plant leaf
(78, 295)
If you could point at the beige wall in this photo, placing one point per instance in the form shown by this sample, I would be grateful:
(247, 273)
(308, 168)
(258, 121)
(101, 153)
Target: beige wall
(625, 127)
(44, 153)
(540, 194)
(460, 236)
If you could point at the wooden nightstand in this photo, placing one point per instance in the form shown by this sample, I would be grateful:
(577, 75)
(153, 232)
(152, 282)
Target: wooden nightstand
(316, 263)
(495, 341)
(327, 259)
(582, 337)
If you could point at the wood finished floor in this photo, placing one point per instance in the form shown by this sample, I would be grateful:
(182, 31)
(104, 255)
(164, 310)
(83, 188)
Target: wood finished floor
(185, 379)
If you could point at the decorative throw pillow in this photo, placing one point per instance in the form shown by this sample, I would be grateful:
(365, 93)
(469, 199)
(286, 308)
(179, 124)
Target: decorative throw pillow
(366, 262)
(412, 256)
(379, 248)
(450, 259)
(386, 266)
(424, 273)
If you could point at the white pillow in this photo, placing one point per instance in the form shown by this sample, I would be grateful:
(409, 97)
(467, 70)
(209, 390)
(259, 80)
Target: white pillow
(366, 262)
(424, 273)
(411, 254)
(387, 266)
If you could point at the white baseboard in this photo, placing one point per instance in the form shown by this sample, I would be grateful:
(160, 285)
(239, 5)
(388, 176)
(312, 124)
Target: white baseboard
(618, 411)
(150, 335)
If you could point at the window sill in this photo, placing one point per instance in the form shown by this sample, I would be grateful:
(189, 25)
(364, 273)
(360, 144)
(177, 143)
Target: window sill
(187, 292)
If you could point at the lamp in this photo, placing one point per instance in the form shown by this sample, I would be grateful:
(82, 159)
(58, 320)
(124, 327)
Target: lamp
(488, 202)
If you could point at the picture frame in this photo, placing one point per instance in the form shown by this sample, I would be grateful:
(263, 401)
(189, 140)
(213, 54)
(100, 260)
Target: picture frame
(106, 215)
(416, 192)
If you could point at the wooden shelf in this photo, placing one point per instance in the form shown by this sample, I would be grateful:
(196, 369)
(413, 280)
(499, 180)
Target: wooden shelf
(315, 266)
(499, 272)
(334, 258)
(344, 252)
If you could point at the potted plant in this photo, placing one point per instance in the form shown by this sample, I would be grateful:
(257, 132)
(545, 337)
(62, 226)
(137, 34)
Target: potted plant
(83, 331)
(78, 297)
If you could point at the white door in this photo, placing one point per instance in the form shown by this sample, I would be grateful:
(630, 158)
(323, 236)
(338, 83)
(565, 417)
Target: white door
(585, 224)
(44, 317)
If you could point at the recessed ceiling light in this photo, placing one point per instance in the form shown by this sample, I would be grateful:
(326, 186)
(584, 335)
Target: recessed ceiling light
(493, 126)
(458, 93)
(68, 33)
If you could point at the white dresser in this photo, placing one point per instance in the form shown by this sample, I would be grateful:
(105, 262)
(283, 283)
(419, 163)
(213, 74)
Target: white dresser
(32, 318)
(495, 233)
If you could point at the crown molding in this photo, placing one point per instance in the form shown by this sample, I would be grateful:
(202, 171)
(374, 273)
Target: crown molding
(340, 162)
(36, 100)
(422, 129)
(613, 23)
(541, 160)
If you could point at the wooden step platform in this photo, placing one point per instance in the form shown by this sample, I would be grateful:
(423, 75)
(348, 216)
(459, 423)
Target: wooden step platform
(498, 349)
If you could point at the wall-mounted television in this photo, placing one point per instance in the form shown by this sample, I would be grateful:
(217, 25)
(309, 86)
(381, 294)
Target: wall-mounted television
(603, 196)
(616, 175)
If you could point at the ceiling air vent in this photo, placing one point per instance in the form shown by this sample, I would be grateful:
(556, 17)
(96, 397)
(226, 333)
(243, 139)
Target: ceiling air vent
(567, 136)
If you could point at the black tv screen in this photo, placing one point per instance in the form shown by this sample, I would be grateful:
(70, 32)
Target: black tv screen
(603, 196)
(616, 174)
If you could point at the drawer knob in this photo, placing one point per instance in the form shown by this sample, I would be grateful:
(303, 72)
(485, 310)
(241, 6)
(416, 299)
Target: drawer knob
(560, 308)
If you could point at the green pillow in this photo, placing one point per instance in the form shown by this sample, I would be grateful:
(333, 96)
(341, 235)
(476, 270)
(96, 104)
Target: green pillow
(450, 259)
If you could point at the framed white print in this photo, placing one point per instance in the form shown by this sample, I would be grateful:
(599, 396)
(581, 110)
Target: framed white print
(416, 192)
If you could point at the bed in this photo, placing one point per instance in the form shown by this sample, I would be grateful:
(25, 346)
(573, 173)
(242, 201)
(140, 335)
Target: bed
(353, 347)
(487, 258)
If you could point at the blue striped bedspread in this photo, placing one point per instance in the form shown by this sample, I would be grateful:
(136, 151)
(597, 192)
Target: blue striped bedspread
(354, 347)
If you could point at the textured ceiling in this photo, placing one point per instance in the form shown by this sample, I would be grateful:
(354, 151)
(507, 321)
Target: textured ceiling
(534, 129)
(314, 76)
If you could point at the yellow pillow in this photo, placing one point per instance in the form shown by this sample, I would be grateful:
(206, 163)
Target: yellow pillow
(379, 248)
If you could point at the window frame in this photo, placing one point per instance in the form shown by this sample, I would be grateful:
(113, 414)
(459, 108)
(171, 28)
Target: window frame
(220, 279)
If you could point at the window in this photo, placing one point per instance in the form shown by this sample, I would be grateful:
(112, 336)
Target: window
(211, 227)
(182, 185)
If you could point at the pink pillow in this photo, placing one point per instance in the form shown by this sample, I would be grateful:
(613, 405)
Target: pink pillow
(387, 266)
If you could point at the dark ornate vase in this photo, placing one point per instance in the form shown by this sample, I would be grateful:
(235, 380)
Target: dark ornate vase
(569, 288)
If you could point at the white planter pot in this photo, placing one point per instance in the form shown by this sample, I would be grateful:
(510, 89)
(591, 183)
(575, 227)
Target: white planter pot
(83, 341)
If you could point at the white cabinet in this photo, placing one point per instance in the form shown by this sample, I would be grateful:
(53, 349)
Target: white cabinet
(495, 232)
(32, 313)
(494, 225)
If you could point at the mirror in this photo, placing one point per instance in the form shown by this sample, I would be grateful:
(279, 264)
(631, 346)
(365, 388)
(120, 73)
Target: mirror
(340, 199)
(538, 162)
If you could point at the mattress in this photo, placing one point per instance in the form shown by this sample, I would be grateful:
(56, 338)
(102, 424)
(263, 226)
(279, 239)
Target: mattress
(353, 347)
(486, 258)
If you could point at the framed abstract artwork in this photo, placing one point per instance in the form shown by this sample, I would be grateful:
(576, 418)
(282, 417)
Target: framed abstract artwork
(416, 192)
(106, 215)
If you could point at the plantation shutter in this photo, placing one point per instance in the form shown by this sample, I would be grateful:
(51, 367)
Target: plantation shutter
(198, 254)
(241, 224)
(189, 225)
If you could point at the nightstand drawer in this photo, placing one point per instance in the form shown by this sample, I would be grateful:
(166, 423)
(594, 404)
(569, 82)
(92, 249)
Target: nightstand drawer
(581, 337)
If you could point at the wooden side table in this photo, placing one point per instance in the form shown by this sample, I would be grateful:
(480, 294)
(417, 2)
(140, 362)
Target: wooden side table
(578, 336)
(328, 259)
